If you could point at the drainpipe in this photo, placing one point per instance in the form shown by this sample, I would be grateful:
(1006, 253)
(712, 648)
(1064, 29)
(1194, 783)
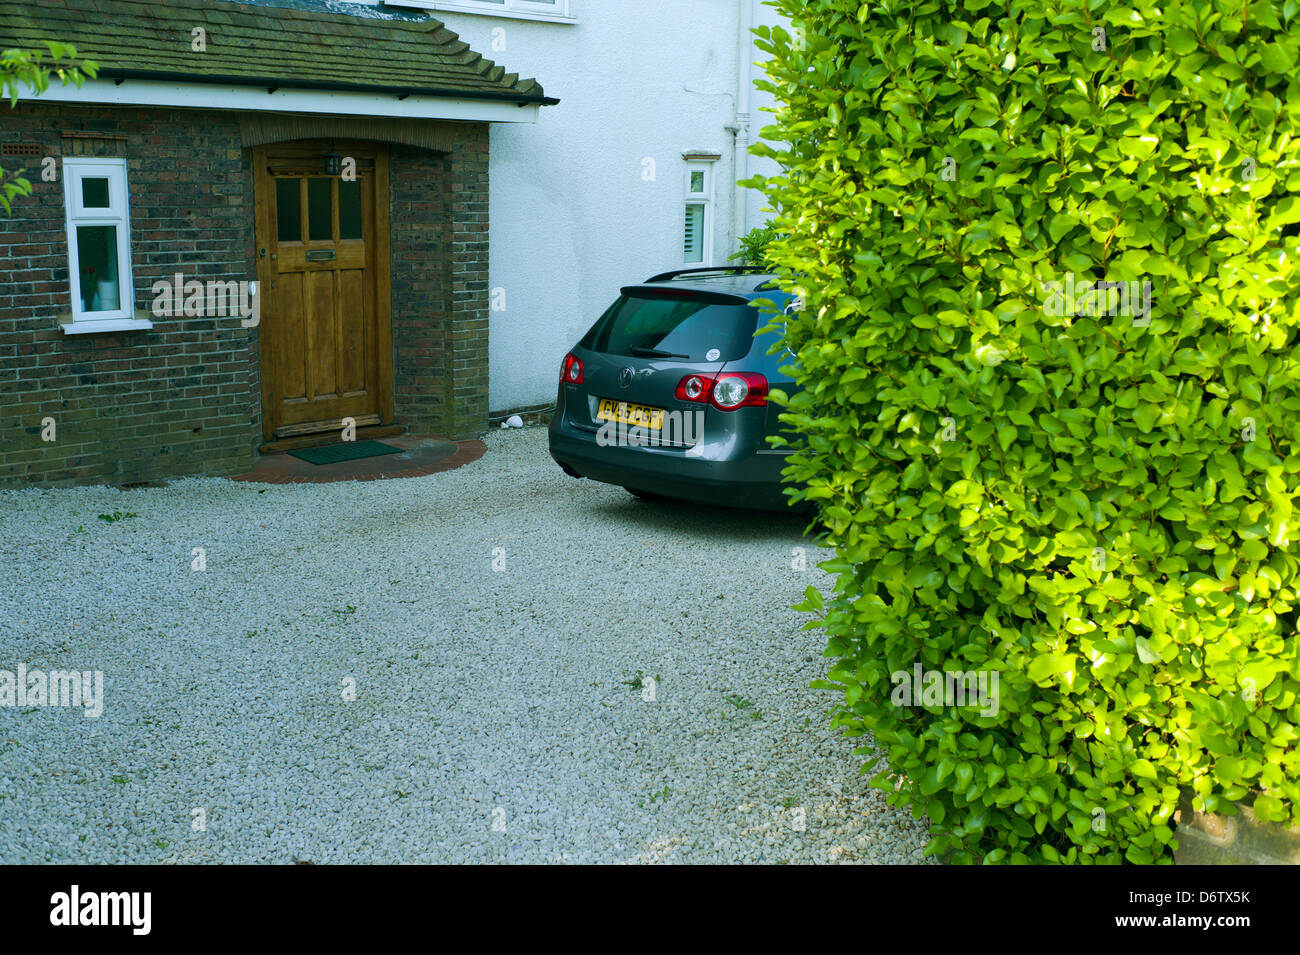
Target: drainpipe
(740, 128)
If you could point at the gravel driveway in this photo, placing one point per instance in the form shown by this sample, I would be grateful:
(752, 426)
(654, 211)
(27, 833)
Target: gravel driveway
(493, 620)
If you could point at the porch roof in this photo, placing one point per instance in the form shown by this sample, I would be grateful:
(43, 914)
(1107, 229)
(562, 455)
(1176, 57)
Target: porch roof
(277, 44)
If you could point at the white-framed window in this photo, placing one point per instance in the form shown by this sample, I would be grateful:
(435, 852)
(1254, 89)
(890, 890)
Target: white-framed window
(697, 244)
(557, 11)
(99, 246)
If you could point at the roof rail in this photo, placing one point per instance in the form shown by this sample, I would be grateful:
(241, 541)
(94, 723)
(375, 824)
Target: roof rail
(726, 269)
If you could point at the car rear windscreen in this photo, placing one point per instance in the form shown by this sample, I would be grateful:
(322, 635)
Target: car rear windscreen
(687, 327)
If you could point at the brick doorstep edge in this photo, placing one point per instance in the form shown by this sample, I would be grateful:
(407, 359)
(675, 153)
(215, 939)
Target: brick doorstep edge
(1216, 839)
(467, 452)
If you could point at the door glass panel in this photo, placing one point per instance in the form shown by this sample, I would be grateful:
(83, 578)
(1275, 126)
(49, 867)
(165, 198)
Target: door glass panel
(319, 215)
(94, 192)
(350, 209)
(288, 211)
(97, 259)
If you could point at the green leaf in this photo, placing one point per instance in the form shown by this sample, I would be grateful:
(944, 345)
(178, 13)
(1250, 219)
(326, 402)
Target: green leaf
(1049, 665)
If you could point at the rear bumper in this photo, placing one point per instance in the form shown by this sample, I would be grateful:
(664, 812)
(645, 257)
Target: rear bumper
(721, 474)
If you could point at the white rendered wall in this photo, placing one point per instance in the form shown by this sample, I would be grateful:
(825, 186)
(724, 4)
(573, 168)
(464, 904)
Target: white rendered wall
(574, 214)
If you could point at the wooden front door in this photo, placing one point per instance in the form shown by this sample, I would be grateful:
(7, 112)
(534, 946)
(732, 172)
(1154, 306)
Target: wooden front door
(322, 247)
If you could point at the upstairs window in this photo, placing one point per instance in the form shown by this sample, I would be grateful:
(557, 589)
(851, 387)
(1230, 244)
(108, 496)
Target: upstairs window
(555, 10)
(696, 246)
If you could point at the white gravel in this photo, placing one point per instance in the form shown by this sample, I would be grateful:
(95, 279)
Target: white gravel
(492, 720)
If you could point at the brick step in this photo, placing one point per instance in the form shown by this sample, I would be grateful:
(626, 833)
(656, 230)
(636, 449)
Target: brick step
(370, 432)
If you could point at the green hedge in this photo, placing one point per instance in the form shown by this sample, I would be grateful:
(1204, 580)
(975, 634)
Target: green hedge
(1092, 502)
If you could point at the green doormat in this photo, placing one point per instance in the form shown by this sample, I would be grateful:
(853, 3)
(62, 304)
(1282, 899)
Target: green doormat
(345, 451)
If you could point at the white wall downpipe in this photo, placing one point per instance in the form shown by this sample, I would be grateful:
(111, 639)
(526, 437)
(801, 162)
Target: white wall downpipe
(740, 130)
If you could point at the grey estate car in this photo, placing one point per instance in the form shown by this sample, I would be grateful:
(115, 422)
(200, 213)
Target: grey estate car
(667, 394)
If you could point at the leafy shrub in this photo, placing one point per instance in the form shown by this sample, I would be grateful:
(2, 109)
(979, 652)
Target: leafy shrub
(754, 245)
(20, 68)
(1097, 507)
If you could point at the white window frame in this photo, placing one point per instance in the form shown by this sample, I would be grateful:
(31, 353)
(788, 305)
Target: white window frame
(75, 169)
(557, 12)
(703, 198)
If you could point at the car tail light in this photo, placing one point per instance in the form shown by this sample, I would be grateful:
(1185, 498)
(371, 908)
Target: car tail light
(726, 390)
(739, 389)
(694, 388)
(571, 372)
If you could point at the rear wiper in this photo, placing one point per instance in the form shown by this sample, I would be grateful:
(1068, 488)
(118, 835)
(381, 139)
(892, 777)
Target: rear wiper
(654, 352)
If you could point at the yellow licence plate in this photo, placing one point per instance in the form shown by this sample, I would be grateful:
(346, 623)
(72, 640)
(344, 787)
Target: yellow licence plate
(642, 416)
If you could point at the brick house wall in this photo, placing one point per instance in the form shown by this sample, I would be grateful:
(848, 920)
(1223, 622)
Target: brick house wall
(420, 269)
(185, 396)
(468, 335)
